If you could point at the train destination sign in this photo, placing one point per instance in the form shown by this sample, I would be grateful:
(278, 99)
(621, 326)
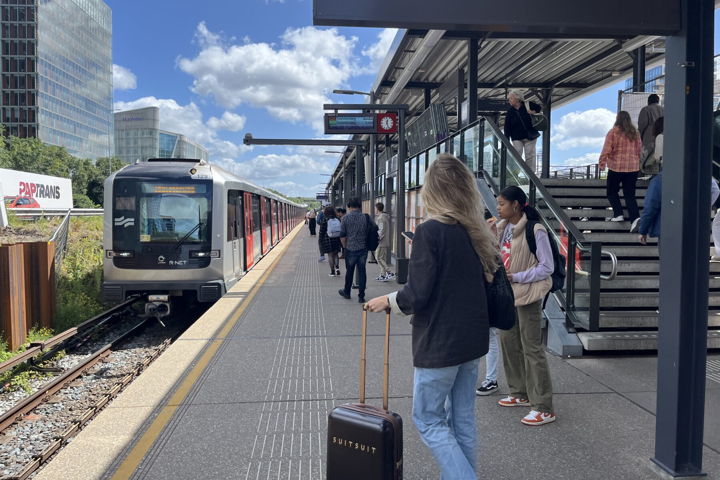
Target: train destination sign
(546, 18)
(350, 123)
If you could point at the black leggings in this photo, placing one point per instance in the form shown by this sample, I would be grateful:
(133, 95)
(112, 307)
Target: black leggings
(628, 181)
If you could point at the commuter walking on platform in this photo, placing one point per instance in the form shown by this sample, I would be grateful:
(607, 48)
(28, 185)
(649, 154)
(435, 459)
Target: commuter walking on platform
(383, 222)
(353, 236)
(526, 367)
(454, 254)
(311, 221)
(318, 220)
(340, 214)
(647, 118)
(519, 129)
(621, 156)
(329, 238)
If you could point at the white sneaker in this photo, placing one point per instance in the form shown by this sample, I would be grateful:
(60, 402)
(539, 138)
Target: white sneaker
(390, 276)
(619, 218)
(634, 226)
(538, 418)
(715, 259)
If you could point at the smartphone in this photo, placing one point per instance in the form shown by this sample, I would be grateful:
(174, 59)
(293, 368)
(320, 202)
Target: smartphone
(408, 235)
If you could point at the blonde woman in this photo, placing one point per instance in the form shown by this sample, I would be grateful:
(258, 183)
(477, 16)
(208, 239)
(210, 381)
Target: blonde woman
(453, 253)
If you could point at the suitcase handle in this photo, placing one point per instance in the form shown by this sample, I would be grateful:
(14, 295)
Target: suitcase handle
(363, 354)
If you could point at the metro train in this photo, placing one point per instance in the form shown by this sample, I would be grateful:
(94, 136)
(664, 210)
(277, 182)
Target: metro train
(184, 227)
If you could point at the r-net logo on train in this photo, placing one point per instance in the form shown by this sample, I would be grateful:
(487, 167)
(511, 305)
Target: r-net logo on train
(38, 190)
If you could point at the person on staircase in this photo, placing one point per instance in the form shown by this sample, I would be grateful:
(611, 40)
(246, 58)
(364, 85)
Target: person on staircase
(518, 128)
(646, 120)
(621, 156)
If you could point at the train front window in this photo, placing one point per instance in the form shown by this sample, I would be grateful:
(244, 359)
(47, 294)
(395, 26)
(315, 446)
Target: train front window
(174, 212)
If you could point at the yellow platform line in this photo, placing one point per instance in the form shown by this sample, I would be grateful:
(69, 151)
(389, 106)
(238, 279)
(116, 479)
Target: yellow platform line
(148, 439)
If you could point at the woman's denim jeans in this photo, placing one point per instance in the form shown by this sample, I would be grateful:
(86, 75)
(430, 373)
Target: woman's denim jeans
(444, 414)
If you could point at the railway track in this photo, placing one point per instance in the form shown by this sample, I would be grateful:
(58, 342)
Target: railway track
(37, 426)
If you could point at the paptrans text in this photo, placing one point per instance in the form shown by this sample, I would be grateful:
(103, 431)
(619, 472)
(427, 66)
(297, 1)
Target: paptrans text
(38, 190)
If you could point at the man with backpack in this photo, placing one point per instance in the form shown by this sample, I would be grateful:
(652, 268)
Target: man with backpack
(358, 234)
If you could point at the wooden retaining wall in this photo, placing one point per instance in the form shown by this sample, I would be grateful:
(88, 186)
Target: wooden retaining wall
(27, 289)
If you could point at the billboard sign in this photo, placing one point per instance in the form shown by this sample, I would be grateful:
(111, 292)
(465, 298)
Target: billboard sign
(47, 191)
(546, 18)
(346, 123)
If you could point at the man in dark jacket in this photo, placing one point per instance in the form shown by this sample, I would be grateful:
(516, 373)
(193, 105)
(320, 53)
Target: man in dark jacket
(646, 120)
(519, 129)
(353, 235)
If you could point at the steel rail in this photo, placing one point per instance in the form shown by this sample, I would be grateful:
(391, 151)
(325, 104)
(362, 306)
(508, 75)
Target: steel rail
(40, 348)
(29, 403)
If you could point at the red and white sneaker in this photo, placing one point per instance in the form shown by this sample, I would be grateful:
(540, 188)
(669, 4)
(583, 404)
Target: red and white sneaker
(511, 401)
(538, 418)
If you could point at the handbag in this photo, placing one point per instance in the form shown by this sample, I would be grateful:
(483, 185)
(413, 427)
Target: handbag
(539, 121)
(500, 300)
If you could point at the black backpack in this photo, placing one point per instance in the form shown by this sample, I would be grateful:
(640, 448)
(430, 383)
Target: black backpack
(559, 273)
(372, 240)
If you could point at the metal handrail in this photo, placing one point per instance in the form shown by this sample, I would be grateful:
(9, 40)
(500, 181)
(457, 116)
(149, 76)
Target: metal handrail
(565, 221)
(60, 238)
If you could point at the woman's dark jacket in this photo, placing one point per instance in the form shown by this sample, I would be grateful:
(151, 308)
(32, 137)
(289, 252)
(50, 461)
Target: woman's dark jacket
(327, 244)
(445, 294)
(518, 124)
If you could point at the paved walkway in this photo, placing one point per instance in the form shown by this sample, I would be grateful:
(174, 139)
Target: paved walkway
(259, 410)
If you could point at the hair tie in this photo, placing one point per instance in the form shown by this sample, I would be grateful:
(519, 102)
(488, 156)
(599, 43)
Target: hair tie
(526, 205)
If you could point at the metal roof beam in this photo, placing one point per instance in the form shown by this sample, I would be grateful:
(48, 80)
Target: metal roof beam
(412, 85)
(546, 50)
(585, 65)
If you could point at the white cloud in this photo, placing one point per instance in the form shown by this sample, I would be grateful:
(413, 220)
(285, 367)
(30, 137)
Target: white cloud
(293, 189)
(377, 51)
(591, 158)
(276, 166)
(187, 120)
(205, 37)
(289, 81)
(583, 129)
(229, 121)
(123, 78)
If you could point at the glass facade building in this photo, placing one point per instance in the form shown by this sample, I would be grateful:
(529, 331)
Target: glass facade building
(138, 137)
(57, 73)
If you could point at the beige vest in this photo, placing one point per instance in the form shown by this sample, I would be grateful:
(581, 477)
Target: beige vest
(521, 259)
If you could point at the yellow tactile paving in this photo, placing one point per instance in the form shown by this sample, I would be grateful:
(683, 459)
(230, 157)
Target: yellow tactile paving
(94, 450)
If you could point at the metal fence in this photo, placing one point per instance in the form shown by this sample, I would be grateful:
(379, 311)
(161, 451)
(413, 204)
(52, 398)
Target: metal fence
(60, 239)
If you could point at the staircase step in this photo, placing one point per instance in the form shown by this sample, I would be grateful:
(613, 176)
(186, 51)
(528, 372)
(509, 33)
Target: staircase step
(632, 340)
(645, 300)
(616, 237)
(578, 213)
(587, 192)
(588, 202)
(581, 182)
(630, 319)
(633, 282)
(651, 265)
(597, 225)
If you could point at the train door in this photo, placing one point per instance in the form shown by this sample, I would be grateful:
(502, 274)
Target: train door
(275, 224)
(256, 228)
(264, 218)
(248, 222)
(267, 224)
(234, 237)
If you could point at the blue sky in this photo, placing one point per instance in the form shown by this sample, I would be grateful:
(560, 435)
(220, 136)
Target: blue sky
(219, 69)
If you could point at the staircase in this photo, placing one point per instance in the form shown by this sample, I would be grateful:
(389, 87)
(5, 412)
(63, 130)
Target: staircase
(628, 316)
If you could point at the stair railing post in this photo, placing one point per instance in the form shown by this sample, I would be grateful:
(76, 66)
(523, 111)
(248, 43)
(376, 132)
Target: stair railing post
(595, 264)
(570, 279)
(503, 166)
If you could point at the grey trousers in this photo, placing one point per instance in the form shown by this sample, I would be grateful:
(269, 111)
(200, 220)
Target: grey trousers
(526, 367)
(381, 256)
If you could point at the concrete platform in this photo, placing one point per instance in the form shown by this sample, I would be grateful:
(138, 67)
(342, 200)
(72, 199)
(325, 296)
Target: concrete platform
(245, 395)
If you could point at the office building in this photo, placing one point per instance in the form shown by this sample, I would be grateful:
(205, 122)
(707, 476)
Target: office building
(57, 73)
(138, 137)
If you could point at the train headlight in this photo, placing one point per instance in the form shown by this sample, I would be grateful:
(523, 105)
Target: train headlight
(125, 254)
(205, 254)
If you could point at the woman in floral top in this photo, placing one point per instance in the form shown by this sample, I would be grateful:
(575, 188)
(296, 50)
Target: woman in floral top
(621, 155)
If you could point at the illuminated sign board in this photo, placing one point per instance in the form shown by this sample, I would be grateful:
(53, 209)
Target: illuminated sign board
(343, 123)
(544, 18)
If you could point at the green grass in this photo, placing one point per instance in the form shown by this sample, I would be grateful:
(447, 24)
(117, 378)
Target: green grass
(20, 377)
(80, 275)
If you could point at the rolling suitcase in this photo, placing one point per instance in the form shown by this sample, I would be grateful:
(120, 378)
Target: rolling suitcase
(365, 442)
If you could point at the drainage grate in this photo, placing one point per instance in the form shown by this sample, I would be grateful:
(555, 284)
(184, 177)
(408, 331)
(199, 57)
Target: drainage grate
(713, 370)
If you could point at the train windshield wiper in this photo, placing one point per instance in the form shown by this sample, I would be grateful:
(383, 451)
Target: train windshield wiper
(187, 235)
